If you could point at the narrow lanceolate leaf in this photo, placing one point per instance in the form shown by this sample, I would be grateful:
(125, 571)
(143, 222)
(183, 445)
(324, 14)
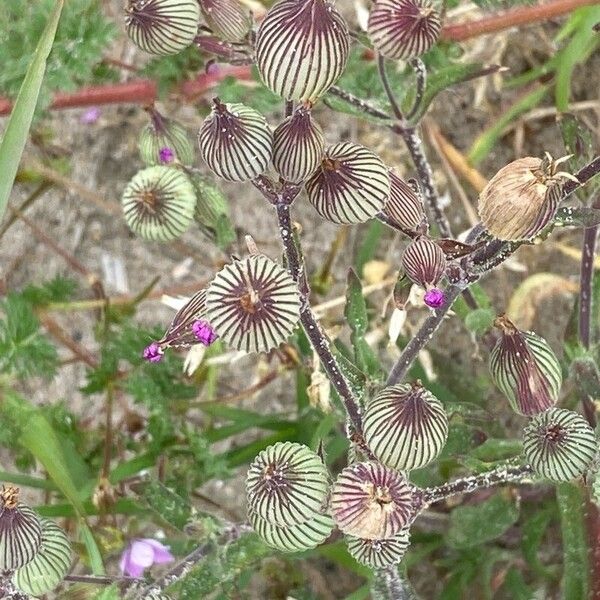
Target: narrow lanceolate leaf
(235, 141)
(370, 501)
(525, 368)
(162, 26)
(424, 262)
(402, 29)
(50, 564)
(405, 426)
(17, 129)
(302, 48)
(159, 203)
(298, 146)
(20, 531)
(351, 185)
(559, 444)
(379, 554)
(253, 304)
(404, 207)
(296, 538)
(229, 19)
(287, 484)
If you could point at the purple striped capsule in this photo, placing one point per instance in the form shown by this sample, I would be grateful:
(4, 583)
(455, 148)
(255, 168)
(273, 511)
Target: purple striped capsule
(404, 207)
(380, 554)
(424, 262)
(302, 48)
(229, 19)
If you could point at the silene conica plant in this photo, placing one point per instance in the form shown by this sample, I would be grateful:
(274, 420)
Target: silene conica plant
(296, 500)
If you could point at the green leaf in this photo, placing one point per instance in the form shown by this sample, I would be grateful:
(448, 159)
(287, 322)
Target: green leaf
(577, 138)
(533, 530)
(480, 320)
(369, 244)
(515, 586)
(168, 505)
(474, 525)
(494, 449)
(109, 593)
(16, 132)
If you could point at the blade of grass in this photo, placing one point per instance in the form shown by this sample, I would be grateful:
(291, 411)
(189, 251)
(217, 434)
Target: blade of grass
(17, 130)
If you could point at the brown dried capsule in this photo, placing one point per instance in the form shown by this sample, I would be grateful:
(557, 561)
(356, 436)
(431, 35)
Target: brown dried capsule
(522, 198)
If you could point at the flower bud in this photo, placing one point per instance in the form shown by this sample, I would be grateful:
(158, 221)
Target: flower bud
(405, 426)
(298, 146)
(229, 19)
(253, 304)
(403, 206)
(20, 531)
(50, 564)
(351, 184)
(380, 554)
(164, 140)
(370, 501)
(302, 48)
(158, 203)
(403, 29)
(162, 26)
(525, 368)
(235, 141)
(559, 444)
(287, 485)
(424, 262)
(522, 198)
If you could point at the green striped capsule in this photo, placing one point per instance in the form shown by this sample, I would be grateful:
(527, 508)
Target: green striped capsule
(228, 19)
(49, 566)
(302, 48)
(351, 185)
(235, 141)
(158, 203)
(287, 485)
(253, 304)
(296, 538)
(559, 444)
(20, 531)
(525, 368)
(164, 140)
(211, 202)
(405, 426)
(379, 554)
(404, 207)
(298, 145)
(162, 27)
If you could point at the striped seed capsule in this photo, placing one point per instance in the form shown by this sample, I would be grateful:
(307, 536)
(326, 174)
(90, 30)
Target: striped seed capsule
(559, 444)
(525, 368)
(162, 27)
(287, 485)
(253, 304)
(380, 554)
(158, 203)
(20, 531)
(211, 202)
(164, 140)
(424, 263)
(229, 19)
(404, 207)
(405, 426)
(298, 146)
(522, 198)
(235, 141)
(371, 501)
(302, 48)
(403, 29)
(351, 185)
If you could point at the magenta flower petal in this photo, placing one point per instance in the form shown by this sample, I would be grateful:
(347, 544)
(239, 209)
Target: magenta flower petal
(153, 353)
(166, 155)
(162, 553)
(204, 332)
(434, 298)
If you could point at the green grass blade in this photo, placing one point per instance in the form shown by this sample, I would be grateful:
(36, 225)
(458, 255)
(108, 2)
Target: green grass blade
(17, 130)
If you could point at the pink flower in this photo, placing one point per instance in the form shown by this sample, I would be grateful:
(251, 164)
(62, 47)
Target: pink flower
(153, 353)
(90, 116)
(434, 298)
(166, 155)
(142, 554)
(204, 332)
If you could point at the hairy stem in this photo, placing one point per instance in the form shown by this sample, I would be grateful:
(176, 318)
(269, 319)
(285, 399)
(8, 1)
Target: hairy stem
(421, 74)
(588, 251)
(389, 585)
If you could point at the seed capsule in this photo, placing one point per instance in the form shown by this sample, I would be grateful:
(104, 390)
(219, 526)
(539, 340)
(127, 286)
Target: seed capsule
(211, 203)
(403, 206)
(298, 146)
(424, 262)
(379, 554)
(403, 29)
(371, 501)
(405, 426)
(350, 186)
(162, 26)
(158, 203)
(20, 531)
(525, 368)
(296, 538)
(235, 141)
(227, 18)
(559, 444)
(287, 485)
(163, 140)
(302, 48)
(49, 566)
(522, 198)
